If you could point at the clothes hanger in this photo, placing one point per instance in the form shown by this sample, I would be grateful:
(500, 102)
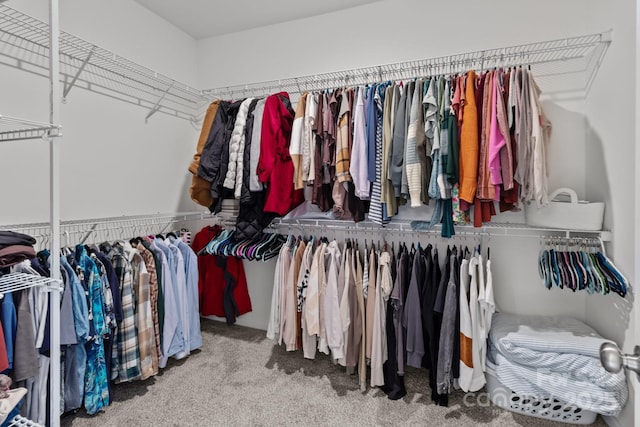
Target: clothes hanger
(579, 269)
(543, 270)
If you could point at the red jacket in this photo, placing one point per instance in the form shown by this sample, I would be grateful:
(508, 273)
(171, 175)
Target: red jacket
(217, 275)
(275, 167)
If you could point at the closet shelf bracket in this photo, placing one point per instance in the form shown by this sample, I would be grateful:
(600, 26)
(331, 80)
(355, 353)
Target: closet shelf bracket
(67, 87)
(156, 106)
(24, 44)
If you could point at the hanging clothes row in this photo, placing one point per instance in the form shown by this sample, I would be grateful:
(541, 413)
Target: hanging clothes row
(580, 265)
(243, 153)
(222, 284)
(260, 248)
(385, 310)
(126, 308)
(464, 142)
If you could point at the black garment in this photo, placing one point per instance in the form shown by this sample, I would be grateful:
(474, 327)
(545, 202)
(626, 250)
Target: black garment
(455, 366)
(245, 195)
(212, 151)
(438, 277)
(114, 285)
(251, 217)
(393, 382)
(424, 290)
(11, 238)
(353, 204)
(229, 303)
(43, 270)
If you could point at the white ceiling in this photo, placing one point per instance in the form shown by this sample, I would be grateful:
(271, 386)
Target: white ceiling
(208, 18)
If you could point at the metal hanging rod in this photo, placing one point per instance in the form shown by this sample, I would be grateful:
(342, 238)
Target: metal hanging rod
(15, 129)
(403, 227)
(24, 44)
(81, 230)
(576, 57)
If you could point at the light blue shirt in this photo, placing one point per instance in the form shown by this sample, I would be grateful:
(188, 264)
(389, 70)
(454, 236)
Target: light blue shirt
(191, 271)
(172, 319)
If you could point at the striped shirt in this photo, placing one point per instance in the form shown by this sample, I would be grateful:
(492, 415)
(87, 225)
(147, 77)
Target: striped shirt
(376, 208)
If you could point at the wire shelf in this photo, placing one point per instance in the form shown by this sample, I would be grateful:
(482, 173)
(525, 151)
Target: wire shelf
(24, 44)
(563, 66)
(18, 281)
(96, 230)
(402, 227)
(20, 421)
(14, 129)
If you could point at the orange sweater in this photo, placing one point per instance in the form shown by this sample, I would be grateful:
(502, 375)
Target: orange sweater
(469, 142)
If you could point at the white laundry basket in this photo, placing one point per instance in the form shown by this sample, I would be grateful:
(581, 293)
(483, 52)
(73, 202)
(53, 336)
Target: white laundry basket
(546, 408)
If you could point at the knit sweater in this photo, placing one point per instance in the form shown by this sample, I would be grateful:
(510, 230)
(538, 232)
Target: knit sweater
(469, 142)
(414, 170)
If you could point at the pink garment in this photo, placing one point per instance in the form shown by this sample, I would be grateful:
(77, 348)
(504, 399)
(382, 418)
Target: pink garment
(496, 140)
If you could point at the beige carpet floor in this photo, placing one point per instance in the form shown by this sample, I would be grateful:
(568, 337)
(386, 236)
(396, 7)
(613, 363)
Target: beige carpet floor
(240, 378)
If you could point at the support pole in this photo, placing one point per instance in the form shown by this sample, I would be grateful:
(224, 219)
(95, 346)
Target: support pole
(54, 156)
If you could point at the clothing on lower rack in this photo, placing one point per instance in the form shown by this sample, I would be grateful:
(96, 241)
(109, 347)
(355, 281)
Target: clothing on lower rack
(414, 312)
(222, 285)
(109, 328)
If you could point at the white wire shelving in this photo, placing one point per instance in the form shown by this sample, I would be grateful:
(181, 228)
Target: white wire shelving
(24, 44)
(96, 230)
(404, 227)
(15, 129)
(20, 421)
(562, 67)
(18, 281)
(14, 282)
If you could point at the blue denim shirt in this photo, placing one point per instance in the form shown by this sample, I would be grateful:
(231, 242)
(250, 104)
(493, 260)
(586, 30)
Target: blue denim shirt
(79, 298)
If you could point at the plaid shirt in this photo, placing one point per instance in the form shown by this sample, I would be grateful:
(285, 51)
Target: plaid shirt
(148, 307)
(127, 351)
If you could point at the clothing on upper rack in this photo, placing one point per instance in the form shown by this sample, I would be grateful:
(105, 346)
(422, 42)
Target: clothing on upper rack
(244, 153)
(412, 312)
(463, 141)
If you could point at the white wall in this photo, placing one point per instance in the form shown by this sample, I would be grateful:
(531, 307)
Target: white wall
(611, 166)
(112, 163)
